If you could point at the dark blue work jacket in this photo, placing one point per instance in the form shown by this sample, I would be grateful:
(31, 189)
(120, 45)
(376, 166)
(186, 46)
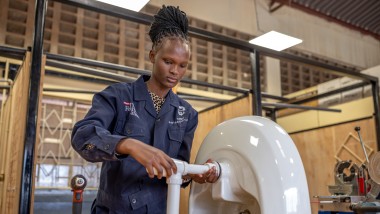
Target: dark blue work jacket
(126, 110)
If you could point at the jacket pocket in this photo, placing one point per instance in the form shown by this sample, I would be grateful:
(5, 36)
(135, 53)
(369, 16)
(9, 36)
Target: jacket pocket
(130, 130)
(175, 140)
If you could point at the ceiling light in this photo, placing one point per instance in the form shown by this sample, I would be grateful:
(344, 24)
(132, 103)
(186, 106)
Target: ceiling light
(134, 5)
(275, 41)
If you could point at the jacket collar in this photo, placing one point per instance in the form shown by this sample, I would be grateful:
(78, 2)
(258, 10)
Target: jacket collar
(140, 92)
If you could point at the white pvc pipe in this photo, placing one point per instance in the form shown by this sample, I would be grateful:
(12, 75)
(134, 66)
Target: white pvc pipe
(185, 168)
(174, 186)
(175, 180)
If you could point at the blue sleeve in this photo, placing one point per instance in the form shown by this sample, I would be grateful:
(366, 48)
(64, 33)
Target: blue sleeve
(184, 152)
(92, 137)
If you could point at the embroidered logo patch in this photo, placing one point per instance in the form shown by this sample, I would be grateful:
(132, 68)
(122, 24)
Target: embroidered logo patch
(131, 108)
(181, 110)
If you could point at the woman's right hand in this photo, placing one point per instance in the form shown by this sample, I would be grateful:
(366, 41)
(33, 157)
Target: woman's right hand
(149, 156)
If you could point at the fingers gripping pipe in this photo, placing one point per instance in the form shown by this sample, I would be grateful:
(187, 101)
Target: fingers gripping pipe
(184, 168)
(175, 180)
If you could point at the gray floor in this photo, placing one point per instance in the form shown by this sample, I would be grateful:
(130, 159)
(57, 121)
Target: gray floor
(60, 201)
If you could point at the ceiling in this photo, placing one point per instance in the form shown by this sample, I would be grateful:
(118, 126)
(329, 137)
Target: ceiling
(360, 15)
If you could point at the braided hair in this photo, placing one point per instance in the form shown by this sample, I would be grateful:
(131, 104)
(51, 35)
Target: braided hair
(168, 22)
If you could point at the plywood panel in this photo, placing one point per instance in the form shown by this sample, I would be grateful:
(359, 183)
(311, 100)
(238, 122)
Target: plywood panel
(207, 121)
(12, 137)
(17, 102)
(298, 122)
(4, 148)
(357, 109)
(4, 119)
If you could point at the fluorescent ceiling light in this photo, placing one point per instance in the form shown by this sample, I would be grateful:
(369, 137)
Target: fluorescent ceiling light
(275, 41)
(134, 5)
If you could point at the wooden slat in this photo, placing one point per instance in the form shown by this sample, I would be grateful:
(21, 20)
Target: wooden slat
(225, 64)
(55, 28)
(194, 61)
(209, 58)
(5, 151)
(141, 47)
(79, 33)
(30, 24)
(4, 132)
(239, 69)
(122, 37)
(101, 37)
(3, 19)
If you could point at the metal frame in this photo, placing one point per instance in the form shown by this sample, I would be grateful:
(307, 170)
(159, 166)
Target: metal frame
(255, 83)
(12, 52)
(32, 112)
(27, 166)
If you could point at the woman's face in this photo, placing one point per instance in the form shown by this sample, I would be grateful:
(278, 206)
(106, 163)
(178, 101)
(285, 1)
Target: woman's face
(169, 63)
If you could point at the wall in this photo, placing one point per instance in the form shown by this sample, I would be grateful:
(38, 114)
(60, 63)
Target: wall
(320, 36)
(240, 16)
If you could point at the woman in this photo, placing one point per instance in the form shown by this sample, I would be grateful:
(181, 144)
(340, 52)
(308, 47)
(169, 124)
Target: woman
(134, 128)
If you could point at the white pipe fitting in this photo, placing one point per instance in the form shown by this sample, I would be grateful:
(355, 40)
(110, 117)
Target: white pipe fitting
(185, 168)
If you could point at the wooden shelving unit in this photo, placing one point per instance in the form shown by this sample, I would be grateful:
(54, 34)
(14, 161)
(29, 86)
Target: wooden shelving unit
(296, 76)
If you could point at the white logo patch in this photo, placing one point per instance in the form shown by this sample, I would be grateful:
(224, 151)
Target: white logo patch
(131, 108)
(181, 110)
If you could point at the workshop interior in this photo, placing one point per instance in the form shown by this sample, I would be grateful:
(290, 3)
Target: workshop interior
(291, 130)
